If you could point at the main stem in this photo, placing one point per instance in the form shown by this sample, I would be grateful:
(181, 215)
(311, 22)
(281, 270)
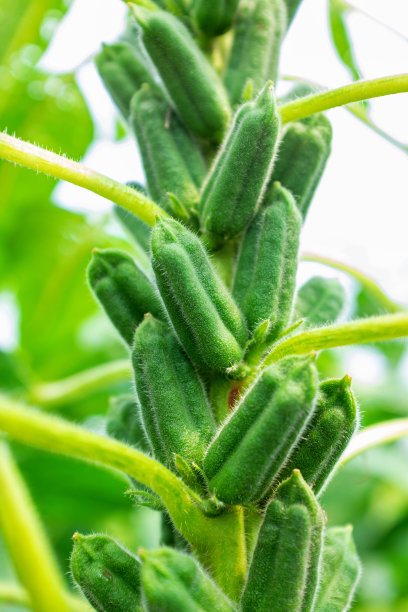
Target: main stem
(29, 155)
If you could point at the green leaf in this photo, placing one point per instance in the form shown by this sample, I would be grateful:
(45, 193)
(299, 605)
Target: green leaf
(338, 11)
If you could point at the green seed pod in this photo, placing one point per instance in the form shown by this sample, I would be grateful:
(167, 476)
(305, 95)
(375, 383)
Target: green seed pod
(303, 153)
(173, 404)
(139, 230)
(341, 570)
(329, 431)
(123, 290)
(174, 582)
(193, 85)
(214, 18)
(319, 302)
(107, 574)
(205, 318)
(124, 423)
(259, 30)
(253, 444)
(235, 184)
(155, 124)
(124, 68)
(265, 276)
(285, 566)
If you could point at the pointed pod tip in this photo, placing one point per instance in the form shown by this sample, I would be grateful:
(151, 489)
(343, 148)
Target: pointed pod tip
(347, 380)
(77, 536)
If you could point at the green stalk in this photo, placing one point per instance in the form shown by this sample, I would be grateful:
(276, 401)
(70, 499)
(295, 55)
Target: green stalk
(364, 280)
(218, 541)
(26, 540)
(14, 595)
(380, 433)
(29, 155)
(372, 329)
(73, 388)
(355, 92)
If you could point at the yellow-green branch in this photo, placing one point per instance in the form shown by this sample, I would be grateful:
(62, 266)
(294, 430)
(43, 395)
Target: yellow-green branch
(355, 92)
(31, 156)
(14, 595)
(374, 435)
(373, 329)
(73, 388)
(26, 540)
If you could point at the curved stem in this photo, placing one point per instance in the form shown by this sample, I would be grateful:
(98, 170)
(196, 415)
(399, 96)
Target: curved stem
(26, 540)
(372, 329)
(374, 435)
(14, 595)
(26, 154)
(75, 387)
(355, 92)
(219, 541)
(364, 280)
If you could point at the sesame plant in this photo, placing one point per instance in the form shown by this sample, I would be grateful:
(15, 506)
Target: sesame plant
(230, 434)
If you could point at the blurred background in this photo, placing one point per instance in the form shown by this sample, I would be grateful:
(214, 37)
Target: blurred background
(51, 328)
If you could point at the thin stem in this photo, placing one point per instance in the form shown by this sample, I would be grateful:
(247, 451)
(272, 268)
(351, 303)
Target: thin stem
(364, 280)
(219, 541)
(14, 594)
(372, 329)
(374, 435)
(79, 385)
(355, 92)
(34, 157)
(26, 540)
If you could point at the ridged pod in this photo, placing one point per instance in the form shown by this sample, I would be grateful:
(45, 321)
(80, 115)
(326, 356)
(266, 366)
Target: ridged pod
(154, 124)
(107, 574)
(174, 582)
(253, 444)
(205, 318)
(258, 33)
(240, 172)
(341, 570)
(193, 85)
(173, 404)
(124, 68)
(124, 423)
(303, 153)
(333, 423)
(319, 302)
(284, 572)
(214, 18)
(265, 276)
(123, 290)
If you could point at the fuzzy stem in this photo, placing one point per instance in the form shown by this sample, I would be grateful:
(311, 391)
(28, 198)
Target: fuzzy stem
(218, 541)
(372, 329)
(34, 157)
(355, 92)
(26, 540)
(75, 387)
(380, 433)
(368, 284)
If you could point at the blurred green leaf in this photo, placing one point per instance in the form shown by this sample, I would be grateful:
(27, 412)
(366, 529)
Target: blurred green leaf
(338, 11)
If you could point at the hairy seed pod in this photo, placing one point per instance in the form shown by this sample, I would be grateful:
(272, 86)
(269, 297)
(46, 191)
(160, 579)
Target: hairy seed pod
(234, 187)
(155, 125)
(107, 574)
(193, 85)
(214, 18)
(341, 570)
(173, 404)
(268, 421)
(174, 582)
(319, 301)
(284, 572)
(124, 68)
(202, 312)
(265, 276)
(139, 230)
(123, 290)
(334, 421)
(303, 153)
(124, 423)
(258, 34)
